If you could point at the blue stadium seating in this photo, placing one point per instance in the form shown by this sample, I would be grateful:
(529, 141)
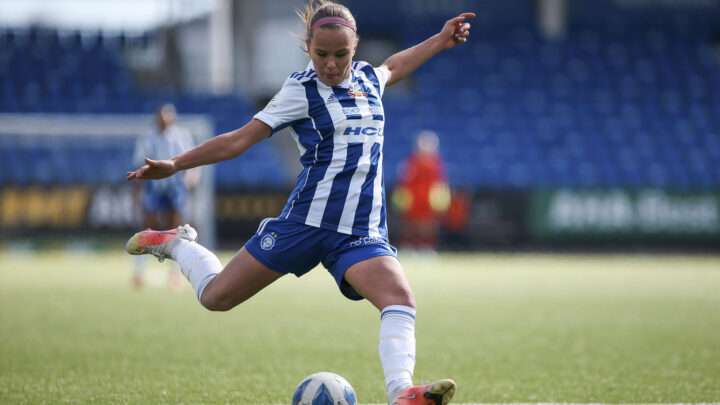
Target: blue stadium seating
(42, 71)
(629, 100)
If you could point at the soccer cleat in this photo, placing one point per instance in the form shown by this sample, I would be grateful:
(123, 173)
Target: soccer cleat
(159, 243)
(438, 393)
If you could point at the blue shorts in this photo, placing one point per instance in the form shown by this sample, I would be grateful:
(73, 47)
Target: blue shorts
(291, 247)
(154, 201)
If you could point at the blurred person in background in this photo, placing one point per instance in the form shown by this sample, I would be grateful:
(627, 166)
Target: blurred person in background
(422, 195)
(162, 202)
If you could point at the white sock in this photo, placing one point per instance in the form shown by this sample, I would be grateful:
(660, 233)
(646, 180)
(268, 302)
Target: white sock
(197, 264)
(139, 265)
(397, 347)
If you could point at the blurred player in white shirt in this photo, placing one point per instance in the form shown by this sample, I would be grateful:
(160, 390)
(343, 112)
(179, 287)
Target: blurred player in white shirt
(162, 202)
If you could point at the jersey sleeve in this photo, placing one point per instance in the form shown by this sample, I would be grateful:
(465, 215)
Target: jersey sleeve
(377, 77)
(382, 77)
(288, 105)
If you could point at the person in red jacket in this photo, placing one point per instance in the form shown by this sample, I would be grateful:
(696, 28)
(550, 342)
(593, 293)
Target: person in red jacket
(422, 194)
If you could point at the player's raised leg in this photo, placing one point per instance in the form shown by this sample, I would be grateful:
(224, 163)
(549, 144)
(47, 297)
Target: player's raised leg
(217, 288)
(381, 280)
(241, 278)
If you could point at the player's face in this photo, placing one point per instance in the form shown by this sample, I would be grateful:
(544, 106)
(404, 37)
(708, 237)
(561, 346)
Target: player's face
(165, 116)
(332, 51)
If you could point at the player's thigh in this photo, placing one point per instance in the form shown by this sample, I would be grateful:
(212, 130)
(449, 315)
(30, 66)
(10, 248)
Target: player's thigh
(174, 218)
(382, 281)
(150, 220)
(241, 278)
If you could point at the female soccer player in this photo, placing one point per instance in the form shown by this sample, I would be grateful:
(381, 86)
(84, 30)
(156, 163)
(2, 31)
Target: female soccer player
(336, 214)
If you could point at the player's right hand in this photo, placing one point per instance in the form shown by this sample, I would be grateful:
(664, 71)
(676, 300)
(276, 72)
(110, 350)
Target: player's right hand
(153, 170)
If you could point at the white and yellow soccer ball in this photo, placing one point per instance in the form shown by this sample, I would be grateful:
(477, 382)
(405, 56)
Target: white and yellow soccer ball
(324, 389)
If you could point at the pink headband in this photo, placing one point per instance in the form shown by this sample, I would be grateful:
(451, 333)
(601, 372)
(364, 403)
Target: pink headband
(332, 20)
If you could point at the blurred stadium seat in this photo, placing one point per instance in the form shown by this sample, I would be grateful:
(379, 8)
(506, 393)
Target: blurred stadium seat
(48, 71)
(629, 100)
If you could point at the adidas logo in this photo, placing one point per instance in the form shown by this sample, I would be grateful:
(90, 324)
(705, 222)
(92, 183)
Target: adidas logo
(332, 99)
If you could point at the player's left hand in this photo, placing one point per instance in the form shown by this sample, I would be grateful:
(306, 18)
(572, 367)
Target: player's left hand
(455, 31)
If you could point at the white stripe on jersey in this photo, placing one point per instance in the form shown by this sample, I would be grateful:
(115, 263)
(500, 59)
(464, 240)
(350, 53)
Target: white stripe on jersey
(353, 197)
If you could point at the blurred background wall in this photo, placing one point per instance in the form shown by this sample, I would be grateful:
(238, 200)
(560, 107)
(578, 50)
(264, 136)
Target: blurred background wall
(562, 124)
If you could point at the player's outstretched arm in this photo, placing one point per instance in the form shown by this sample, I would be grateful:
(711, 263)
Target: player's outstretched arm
(217, 149)
(454, 32)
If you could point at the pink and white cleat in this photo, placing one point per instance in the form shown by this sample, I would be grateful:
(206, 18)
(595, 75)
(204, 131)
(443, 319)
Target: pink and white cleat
(438, 393)
(159, 243)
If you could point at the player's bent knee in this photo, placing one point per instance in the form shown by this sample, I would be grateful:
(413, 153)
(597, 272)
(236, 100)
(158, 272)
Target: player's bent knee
(400, 296)
(411, 300)
(213, 301)
(406, 298)
(212, 304)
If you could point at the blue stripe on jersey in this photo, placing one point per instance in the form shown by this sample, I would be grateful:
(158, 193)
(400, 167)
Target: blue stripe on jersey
(347, 102)
(317, 109)
(341, 185)
(302, 75)
(362, 215)
(295, 195)
(382, 227)
(283, 126)
(308, 137)
(370, 74)
(320, 126)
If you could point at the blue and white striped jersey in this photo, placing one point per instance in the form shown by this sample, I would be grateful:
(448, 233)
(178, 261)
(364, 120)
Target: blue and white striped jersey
(339, 131)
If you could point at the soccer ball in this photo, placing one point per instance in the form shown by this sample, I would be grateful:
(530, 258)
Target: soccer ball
(324, 389)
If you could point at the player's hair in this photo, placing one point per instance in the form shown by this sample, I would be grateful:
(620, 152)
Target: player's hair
(317, 9)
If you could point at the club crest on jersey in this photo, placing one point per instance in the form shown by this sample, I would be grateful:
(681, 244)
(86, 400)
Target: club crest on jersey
(354, 93)
(268, 241)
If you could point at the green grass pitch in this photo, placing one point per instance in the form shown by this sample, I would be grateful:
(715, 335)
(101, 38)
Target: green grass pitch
(507, 328)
